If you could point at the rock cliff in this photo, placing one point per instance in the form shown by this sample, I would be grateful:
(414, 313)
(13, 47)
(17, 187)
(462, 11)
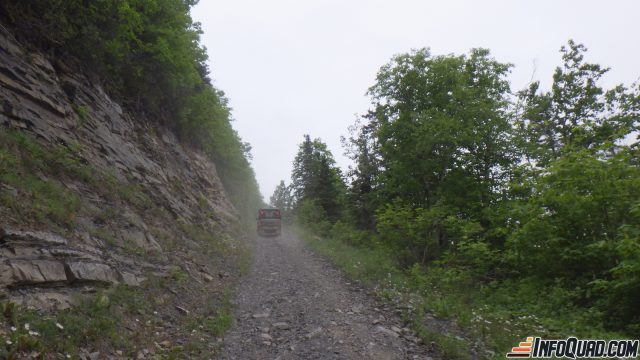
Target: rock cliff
(92, 196)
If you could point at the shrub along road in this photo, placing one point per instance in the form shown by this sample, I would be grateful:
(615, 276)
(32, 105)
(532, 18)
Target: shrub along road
(294, 305)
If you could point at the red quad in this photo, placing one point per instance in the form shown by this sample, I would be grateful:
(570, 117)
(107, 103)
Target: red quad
(269, 223)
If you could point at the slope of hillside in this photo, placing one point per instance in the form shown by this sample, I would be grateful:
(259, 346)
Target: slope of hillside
(115, 238)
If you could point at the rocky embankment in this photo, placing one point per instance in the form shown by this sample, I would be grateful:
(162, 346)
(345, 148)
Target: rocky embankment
(135, 201)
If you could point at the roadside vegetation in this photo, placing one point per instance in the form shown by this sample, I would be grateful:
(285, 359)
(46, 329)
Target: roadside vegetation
(514, 214)
(118, 321)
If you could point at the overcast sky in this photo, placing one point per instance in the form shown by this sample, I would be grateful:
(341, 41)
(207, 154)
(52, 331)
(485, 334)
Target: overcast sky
(294, 67)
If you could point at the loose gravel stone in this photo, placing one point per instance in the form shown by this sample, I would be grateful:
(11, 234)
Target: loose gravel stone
(299, 299)
(281, 326)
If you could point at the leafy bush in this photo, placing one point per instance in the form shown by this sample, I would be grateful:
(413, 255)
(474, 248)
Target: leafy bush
(311, 215)
(620, 286)
(582, 222)
(348, 234)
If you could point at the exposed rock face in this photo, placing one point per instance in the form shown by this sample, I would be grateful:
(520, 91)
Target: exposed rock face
(31, 237)
(27, 272)
(41, 266)
(81, 271)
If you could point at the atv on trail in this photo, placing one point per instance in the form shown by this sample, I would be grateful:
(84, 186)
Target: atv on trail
(269, 222)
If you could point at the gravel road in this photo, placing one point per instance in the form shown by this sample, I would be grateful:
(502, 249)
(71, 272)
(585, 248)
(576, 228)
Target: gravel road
(295, 305)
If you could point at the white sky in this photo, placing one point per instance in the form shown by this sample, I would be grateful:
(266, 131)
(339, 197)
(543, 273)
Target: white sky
(292, 67)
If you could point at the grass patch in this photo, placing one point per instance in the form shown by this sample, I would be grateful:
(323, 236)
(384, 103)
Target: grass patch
(33, 176)
(449, 347)
(93, 321)
(99, 322)
(217, 244)
(178, 275)
(364, 264)
(82, 112)
(45, 200)
(104, 235)
(33, 197)
(109, 186)
(211, 239)
(217, 317)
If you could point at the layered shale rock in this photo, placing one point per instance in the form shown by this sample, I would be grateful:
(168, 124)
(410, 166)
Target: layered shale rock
(112, 239)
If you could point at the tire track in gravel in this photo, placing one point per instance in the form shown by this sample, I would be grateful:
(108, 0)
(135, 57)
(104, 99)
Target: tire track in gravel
(295, 305)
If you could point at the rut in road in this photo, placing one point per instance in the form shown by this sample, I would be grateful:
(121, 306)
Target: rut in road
(294, 305)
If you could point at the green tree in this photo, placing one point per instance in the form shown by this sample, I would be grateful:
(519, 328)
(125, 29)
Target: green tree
(282, 198)
(315, 176)
(572, 215)
(362, 148)
(444, 140)
(576, 113)
(442, 126)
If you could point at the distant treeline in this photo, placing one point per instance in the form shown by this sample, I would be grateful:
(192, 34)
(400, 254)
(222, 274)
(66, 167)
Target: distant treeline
(148, 56)
(535, 190)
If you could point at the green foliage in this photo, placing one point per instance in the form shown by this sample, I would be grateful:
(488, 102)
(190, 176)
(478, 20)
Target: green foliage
(365, 176)
(543, 189)
(83, 114)
(622, 285)
(576, 113)
(129, 43)
(178, 275)
(447, 345)
(582, 214)
(493, 313)
(218, 317)
(397, 229)
(349, 234)
(312, 215)
(441, 125)
(577, 208)
(315, 177)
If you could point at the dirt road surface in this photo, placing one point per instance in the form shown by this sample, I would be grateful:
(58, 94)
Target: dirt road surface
(295, 305)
